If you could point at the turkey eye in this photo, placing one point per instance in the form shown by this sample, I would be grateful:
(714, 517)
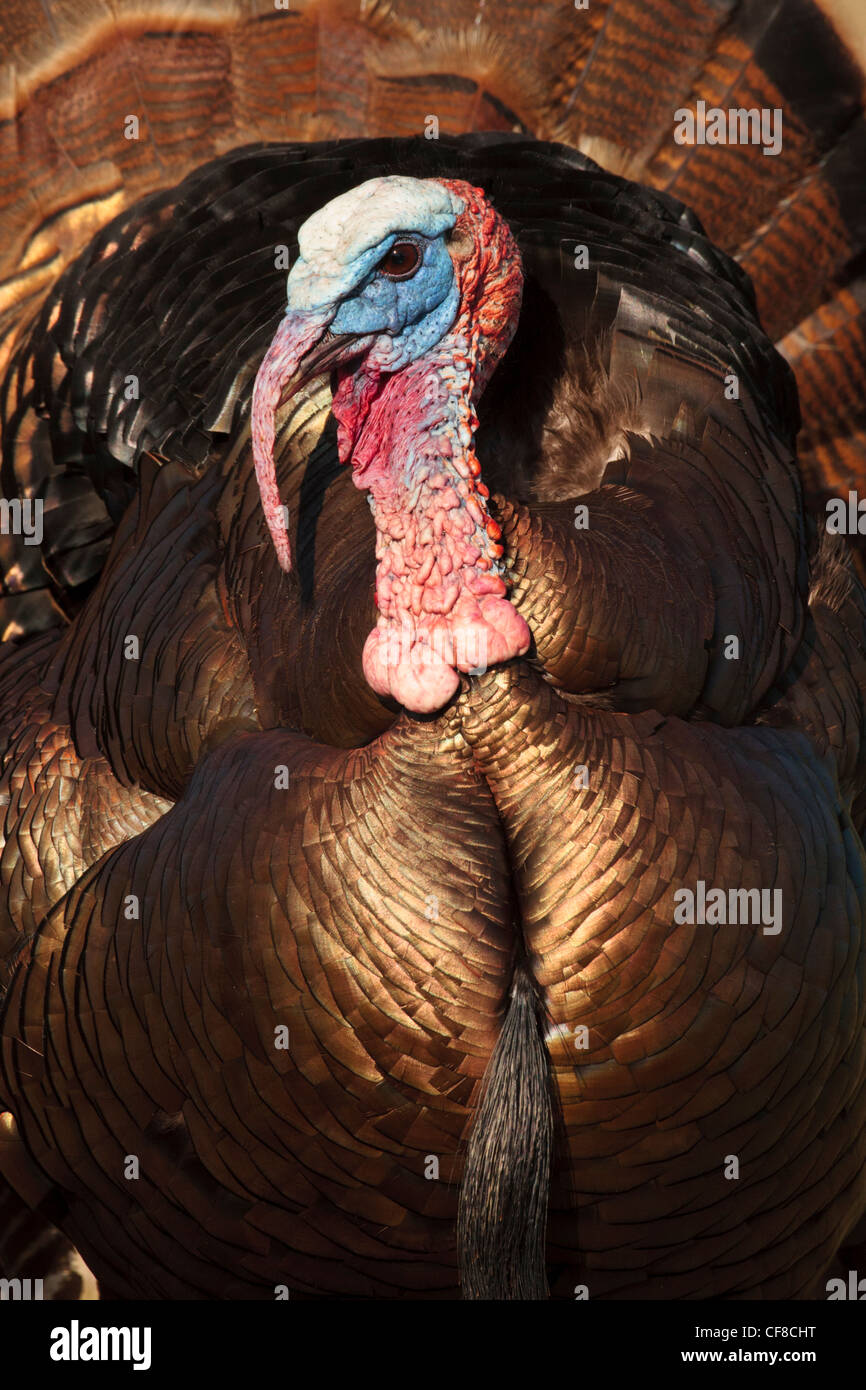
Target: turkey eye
(401, 261)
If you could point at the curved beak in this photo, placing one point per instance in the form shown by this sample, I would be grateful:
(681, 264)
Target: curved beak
(302, 349)
(327, 354)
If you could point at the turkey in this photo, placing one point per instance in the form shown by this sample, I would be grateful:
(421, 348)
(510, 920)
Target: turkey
(431, 698)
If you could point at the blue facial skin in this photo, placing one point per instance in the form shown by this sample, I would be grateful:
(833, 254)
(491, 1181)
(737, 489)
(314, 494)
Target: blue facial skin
(415, 312)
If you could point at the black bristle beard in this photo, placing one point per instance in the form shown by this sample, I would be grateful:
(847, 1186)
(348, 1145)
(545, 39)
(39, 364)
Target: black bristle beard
(502, 1214)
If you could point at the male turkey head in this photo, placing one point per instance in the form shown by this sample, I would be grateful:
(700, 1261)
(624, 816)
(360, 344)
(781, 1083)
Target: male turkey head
(409, 291)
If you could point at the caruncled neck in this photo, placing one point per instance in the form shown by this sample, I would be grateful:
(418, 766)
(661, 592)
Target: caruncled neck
(440, 588)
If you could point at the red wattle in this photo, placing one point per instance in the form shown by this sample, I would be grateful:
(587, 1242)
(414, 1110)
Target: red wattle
(441, 594)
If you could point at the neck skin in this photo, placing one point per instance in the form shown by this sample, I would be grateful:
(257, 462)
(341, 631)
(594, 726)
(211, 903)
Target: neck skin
(440, 586)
